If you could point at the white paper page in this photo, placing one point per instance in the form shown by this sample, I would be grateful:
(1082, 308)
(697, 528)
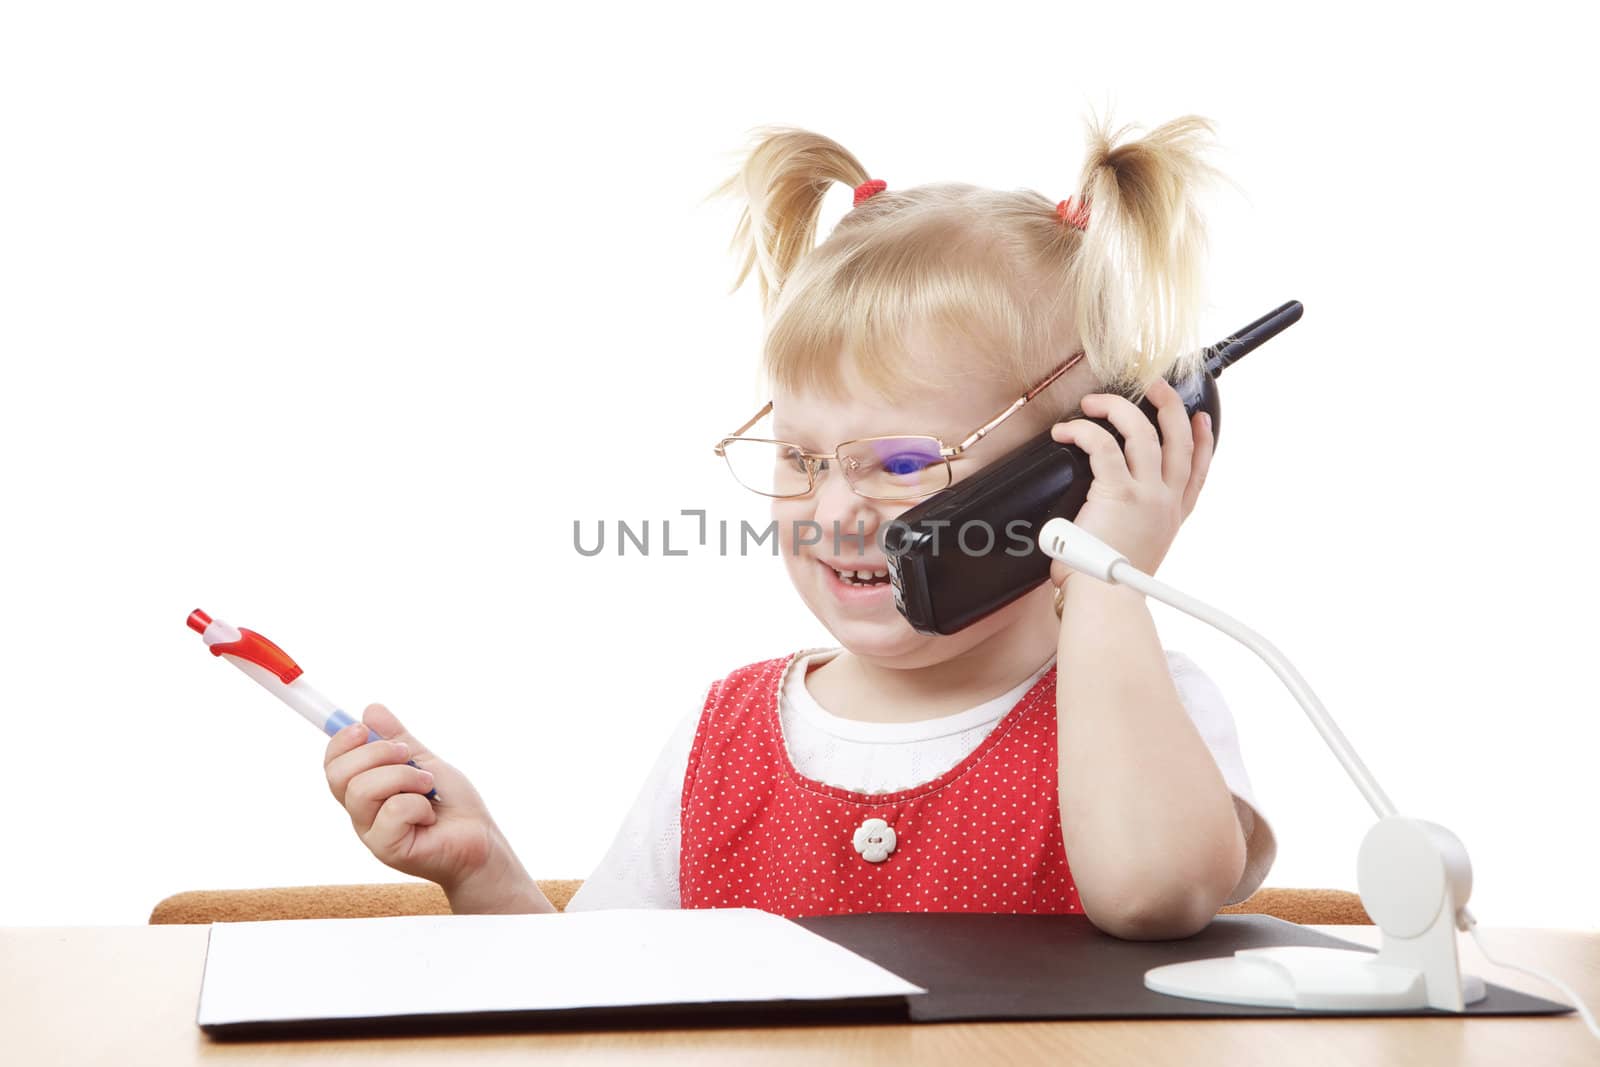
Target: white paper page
(421, 964)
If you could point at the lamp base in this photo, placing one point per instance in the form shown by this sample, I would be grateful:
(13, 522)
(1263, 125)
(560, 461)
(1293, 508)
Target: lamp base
(1303, 978)
(1414, 878)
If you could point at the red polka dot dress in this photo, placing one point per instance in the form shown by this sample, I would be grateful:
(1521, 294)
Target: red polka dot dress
(983, 836)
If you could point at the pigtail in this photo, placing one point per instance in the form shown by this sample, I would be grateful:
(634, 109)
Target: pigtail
(782, 180)
(1137, 276)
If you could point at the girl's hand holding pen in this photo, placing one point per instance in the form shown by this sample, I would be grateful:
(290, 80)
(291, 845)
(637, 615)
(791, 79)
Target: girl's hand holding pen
(451, 840)
(385, 778)
(1137, 501)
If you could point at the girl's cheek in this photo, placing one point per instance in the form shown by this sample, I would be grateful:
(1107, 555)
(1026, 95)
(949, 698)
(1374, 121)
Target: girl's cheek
(786, 516)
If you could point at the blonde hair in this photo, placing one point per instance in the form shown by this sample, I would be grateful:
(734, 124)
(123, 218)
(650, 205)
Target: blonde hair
(999, 270)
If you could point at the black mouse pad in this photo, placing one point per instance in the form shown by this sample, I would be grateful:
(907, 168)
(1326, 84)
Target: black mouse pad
(1061, 967)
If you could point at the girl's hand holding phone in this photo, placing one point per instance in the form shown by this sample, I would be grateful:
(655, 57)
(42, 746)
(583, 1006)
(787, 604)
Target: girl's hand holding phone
(1137, 501)
(451, 841)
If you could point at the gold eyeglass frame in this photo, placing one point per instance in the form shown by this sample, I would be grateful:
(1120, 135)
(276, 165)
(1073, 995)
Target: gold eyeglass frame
(946, 452)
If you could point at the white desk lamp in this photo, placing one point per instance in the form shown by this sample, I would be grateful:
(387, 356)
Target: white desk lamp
(1414, 876)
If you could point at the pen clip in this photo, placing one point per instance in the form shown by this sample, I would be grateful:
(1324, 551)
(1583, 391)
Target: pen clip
(253, 648)
(236, 641)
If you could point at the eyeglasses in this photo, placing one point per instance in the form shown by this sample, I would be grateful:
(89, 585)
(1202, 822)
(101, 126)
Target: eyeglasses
(888, 467)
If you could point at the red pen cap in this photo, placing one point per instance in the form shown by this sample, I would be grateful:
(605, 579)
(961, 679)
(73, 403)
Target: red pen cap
(250, 647)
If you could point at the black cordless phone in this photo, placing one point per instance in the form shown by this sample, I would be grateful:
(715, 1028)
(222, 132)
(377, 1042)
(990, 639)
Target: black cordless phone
(973, 548)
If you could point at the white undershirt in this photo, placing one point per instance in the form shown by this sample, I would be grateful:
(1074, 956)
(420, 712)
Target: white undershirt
(640, 870)
(881, 757)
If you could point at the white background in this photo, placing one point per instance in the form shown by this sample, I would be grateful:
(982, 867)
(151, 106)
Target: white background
(332, 318)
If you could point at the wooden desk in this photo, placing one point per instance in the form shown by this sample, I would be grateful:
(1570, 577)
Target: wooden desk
(127, 995)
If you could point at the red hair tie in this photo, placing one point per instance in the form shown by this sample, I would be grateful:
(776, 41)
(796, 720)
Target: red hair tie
(1073, 213)
(865, 190)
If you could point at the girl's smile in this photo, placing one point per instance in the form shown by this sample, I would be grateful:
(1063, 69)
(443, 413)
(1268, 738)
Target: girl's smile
(859, 584)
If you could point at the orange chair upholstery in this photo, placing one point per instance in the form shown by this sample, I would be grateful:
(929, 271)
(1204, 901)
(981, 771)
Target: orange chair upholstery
(1307, 906)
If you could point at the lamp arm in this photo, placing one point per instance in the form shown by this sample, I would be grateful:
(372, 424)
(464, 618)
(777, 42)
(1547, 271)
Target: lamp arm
(1127, 574)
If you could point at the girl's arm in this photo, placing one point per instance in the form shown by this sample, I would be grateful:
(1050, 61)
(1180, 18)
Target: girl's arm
(503, 887)
(1149, 824)
(1150, 827)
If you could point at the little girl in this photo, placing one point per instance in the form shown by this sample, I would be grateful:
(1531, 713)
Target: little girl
(1051, 757)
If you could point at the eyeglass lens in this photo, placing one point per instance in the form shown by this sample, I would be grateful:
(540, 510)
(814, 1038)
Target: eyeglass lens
(884, 468)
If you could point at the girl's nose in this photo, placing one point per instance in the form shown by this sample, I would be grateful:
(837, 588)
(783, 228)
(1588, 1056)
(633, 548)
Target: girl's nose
(856, 517)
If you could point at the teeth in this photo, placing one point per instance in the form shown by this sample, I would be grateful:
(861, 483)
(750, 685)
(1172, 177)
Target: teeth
(859, 576)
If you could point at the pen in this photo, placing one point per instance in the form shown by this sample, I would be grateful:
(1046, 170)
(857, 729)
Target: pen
(277, 673)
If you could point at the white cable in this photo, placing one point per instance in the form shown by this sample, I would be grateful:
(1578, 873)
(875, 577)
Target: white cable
(1577, 1003)
(1087, 554)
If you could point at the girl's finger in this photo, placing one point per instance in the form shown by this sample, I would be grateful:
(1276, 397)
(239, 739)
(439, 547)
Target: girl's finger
(1105, 458)
(1177, 436)
(346, 740)
(1205, 446)
(370, 790)
(381, 719)
(367, 755)
(1139, 439)
(395, 822)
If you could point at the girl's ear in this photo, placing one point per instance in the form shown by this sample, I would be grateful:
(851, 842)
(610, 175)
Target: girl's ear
(1136, 279)
(782, 180)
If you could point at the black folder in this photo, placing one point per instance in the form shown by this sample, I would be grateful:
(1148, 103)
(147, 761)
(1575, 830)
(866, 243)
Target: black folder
(1061, 967)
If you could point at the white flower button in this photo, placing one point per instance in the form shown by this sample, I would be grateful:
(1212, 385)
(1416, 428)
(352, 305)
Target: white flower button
(874, 839)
